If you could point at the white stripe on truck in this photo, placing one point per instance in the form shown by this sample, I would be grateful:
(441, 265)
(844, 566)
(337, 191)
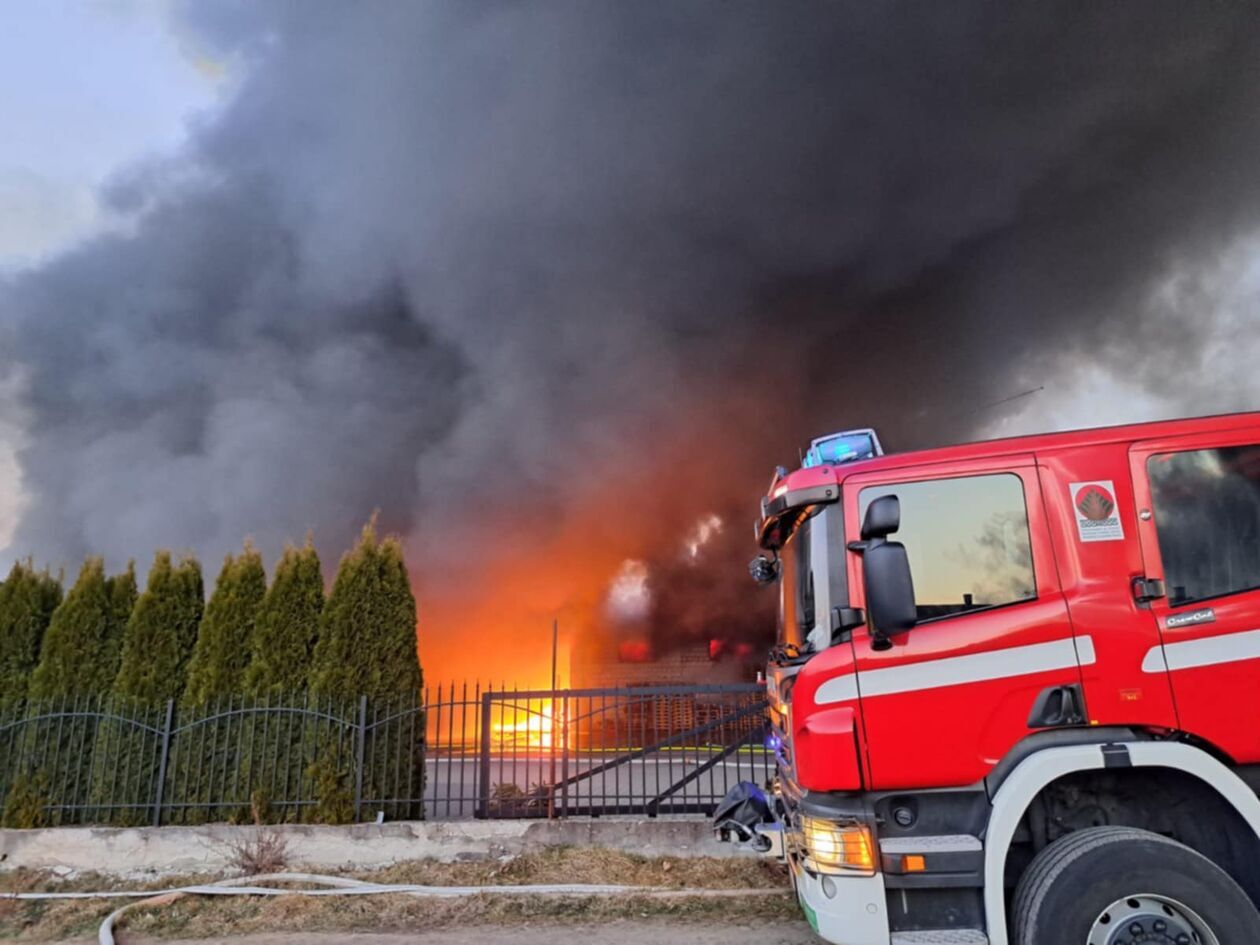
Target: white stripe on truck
(960, 670)
(1208, 651)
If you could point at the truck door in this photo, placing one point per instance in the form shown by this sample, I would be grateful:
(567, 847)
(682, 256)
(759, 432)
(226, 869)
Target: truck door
(953, 695)
(1198, 500)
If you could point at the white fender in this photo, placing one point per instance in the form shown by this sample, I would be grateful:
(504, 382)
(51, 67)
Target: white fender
(1039, 769)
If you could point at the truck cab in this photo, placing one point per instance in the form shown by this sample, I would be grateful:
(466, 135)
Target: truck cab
(1016, 691)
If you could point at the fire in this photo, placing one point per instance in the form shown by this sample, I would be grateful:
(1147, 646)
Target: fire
(498, 572)
(530, 727)
(634, 651)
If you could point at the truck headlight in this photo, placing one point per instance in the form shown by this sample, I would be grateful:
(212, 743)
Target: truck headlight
(832, 846)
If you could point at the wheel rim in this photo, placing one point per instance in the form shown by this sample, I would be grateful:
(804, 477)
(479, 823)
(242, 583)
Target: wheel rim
(1150, 920)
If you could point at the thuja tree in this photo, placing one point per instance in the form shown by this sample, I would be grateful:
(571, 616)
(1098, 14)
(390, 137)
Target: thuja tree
(77, 665)
(123, 594)
(221, 654)
(161, 632)
(280, 649)
(216, 771)
(27, 601)
(156, 648)
(367, 632)
(287, 626)
(367, 647)
(83, 644)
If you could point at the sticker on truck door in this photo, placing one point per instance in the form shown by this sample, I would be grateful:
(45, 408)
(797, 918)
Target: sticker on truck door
(1097, 517)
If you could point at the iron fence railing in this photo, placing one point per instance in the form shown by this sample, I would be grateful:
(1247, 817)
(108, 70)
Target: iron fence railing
(633, 750)
(454, 751)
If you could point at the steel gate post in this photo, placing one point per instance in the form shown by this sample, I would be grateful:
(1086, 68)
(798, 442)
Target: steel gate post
(483, 787)
(360, 739)
(166, 751)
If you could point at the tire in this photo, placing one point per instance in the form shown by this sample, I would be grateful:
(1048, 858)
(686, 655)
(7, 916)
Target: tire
(1067, 894)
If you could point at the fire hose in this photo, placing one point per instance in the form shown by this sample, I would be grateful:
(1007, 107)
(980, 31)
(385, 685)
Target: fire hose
(343, 886)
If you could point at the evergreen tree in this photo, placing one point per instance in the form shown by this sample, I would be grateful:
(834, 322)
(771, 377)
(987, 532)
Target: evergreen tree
(79, 660)
(27, 601)
(367, 633)
(123, 593)
(156, 645)
(161, 632)
(367, 647)
(221, 654)
(81, 647)
(287, 626)
(280, 661)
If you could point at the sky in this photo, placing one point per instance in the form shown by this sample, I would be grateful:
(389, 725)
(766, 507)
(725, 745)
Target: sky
(549, 285)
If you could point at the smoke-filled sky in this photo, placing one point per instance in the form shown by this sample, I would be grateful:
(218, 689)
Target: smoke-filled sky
(551, 283)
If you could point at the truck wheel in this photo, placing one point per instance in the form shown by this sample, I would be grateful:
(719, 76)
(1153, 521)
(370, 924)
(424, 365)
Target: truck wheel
(1118, 885)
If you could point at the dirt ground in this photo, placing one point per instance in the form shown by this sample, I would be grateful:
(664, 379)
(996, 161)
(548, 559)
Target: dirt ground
(642, 932)
(727, 900)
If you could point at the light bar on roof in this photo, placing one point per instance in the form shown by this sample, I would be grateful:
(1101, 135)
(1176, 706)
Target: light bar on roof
(845, 447)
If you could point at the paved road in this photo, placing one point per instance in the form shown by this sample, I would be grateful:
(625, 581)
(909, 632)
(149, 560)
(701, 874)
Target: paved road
(650, 932)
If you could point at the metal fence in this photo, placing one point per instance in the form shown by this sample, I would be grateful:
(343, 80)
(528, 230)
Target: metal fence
(452, 752)
(634, 750)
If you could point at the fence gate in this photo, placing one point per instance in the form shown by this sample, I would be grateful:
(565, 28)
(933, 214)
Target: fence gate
(636, 750)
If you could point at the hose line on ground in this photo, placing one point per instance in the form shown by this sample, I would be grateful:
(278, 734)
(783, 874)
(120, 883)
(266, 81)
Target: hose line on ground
(343, 886)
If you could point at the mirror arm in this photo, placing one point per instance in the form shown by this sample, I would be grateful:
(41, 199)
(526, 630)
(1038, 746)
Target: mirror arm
(862, 547)
(844, 620)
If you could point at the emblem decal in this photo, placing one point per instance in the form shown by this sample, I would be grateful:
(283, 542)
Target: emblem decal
(1094, 504)
(1202, 615)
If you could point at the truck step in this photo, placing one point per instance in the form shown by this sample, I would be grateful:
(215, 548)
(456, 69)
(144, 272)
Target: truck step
(941, 937)
(945, 843)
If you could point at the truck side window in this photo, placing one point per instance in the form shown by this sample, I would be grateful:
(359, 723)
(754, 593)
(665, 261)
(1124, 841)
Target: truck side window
(967, 540)
(1207, 516)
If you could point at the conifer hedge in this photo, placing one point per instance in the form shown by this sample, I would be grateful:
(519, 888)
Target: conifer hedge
(216, 673)
(109, 654)
(367, 632)
(83, 644)
(287, 626)
(221, 654)
(157, 646)
(161, 632)
(280, 650)
(367, 647)
(77, 665)
(27, 601)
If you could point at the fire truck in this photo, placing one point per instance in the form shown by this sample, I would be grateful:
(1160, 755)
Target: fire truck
(1016, 692)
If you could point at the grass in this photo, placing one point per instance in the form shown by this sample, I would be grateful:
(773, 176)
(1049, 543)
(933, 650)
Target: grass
(197, 917)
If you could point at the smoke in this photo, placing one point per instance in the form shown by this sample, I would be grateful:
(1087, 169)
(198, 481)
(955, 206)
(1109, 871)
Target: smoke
(549, 284)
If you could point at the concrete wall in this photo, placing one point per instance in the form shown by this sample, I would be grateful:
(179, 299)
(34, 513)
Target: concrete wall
(157, 851)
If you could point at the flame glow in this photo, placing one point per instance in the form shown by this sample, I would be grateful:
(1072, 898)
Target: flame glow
(704, 529)
(529, 728)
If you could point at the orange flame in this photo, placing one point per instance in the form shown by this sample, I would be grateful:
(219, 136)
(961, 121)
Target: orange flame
(529, 727)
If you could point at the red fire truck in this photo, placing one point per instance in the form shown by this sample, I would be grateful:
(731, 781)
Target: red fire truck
(1016, 692)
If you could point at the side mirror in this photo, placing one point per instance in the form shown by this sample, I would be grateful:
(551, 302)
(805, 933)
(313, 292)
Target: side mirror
(889, 590)
(885, 572)
(763, 570)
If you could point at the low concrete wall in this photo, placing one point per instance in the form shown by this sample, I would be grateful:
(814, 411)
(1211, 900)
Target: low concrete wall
(150, 851)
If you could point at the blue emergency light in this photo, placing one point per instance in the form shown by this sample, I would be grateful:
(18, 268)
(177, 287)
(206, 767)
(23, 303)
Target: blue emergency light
(846, 447)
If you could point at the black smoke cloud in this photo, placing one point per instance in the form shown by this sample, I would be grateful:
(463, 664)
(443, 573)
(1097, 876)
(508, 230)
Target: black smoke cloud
(470, 262)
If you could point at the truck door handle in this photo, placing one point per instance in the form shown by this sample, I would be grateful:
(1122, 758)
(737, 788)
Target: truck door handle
(1058, 705)
(1146, 589)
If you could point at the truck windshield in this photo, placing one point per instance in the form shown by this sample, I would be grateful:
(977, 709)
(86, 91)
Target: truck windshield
(796, 588)
(812, 580)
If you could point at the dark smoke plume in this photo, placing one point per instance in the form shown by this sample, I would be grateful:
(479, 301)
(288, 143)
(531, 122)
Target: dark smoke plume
(550, 281)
